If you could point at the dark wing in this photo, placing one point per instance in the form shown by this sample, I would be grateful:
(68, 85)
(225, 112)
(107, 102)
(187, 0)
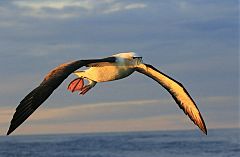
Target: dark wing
(51, 81)
(178, 92)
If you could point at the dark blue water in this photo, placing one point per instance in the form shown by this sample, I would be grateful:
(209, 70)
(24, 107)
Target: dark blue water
(218, 143)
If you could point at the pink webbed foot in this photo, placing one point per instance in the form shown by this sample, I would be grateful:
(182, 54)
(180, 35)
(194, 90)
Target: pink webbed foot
(76, 85)
(85, 89)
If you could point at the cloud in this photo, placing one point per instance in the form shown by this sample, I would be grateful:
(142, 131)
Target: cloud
(133, 109)
(135, 115)
(81, 111)
(121, 7)
(141, 124)
(85, 116)
(90, 118)
(90, 112)
(53, 4)
(73, 8)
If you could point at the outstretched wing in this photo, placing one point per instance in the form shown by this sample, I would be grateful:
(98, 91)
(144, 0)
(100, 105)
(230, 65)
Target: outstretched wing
(178, 92)
(51, 81)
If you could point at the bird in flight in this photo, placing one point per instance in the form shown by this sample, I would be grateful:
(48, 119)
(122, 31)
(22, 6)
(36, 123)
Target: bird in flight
(111, 68)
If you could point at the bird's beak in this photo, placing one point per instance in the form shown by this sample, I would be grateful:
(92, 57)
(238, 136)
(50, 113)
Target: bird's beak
(138, 60)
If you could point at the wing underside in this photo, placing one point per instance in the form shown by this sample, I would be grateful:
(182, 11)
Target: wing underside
(178, 92)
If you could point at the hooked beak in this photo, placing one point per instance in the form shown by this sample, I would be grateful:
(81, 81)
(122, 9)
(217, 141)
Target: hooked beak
(138, 59)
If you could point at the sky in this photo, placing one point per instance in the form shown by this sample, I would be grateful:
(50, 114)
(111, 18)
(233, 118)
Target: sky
(194, 42)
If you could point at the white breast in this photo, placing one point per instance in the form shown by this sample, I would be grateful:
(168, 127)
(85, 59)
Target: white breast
(108, 73)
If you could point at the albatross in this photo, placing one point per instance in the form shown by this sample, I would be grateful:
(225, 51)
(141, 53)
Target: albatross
(111, 68)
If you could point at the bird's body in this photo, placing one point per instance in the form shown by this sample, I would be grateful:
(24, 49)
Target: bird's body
(107, 69)
(110, 71)
(107, 73)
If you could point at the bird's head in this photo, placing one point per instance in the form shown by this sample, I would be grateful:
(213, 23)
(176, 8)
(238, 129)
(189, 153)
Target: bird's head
(130, 56)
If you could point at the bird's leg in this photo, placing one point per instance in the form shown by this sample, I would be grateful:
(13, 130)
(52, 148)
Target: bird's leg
(76, 84)
(86, 88)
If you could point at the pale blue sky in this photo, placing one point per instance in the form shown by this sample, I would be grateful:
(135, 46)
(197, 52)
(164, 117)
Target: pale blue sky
(195, 42)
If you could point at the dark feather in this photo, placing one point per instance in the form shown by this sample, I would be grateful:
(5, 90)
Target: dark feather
(51, 81)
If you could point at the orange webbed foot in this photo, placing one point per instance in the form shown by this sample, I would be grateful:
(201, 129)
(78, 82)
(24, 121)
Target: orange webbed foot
(76, 85)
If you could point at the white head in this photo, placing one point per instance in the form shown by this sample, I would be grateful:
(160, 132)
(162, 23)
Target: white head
(128, 58)
(127, 55)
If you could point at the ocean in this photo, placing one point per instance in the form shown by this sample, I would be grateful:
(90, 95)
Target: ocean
(218, 143)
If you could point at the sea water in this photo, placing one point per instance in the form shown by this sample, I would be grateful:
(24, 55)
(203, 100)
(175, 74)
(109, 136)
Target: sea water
(191, 143)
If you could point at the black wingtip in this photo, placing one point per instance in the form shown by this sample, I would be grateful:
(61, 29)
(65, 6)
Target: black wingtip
(9, 131)
(203, 128)
(205, 131)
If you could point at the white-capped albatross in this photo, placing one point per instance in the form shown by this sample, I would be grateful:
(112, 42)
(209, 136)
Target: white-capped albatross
(107, 69)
